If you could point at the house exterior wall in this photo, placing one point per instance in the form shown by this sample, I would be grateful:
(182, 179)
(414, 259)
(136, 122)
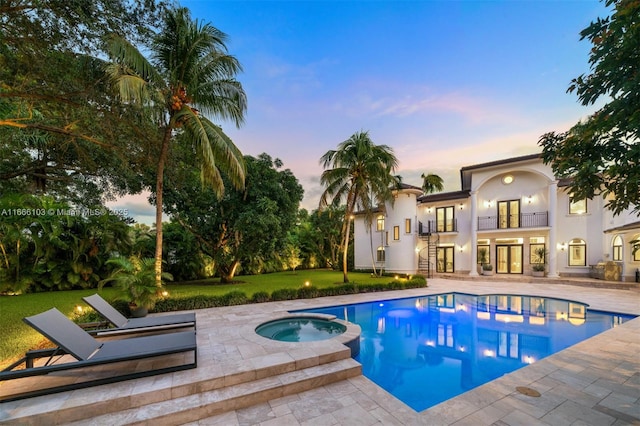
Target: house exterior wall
(543, 217)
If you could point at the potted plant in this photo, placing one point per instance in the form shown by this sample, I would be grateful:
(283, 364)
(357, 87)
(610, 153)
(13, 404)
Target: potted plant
(539, 266)
(487, 268)
(134, 278)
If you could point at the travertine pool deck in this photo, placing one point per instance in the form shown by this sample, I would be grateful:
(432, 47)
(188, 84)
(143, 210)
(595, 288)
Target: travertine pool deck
(594, 382)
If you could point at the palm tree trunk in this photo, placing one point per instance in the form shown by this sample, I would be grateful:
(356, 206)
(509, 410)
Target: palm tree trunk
(346, 249)
(159, 188)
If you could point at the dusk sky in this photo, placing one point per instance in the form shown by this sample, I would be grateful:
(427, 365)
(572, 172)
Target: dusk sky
(446, 84)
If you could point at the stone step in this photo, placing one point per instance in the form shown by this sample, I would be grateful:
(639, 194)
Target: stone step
(66, 407)
(206, 404)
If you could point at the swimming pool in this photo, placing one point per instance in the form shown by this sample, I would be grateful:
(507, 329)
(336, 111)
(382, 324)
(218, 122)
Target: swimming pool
(429, 349)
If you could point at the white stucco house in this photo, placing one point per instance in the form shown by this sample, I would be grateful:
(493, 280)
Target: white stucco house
(506, 209)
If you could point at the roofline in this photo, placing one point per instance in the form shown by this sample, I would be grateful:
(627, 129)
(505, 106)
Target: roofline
(444, 196)
(501, 162)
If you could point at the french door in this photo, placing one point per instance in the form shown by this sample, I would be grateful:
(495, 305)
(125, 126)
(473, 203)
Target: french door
(444, 256)
(509, 259)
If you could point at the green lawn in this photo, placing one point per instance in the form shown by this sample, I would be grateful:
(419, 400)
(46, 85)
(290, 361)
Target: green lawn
(17, 337)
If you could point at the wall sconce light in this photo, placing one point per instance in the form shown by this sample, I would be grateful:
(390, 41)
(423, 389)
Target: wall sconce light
(529, 199)
(429, 209)
(562, 246)
(461, 206)
(461, 248)
(488, 203)
(417, 249)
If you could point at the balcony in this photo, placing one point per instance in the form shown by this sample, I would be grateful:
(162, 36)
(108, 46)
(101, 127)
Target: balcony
(523, 220)
(437, 226)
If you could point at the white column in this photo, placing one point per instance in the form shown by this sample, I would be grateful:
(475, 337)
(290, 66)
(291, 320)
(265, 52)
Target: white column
(474, 234)
(553, 244)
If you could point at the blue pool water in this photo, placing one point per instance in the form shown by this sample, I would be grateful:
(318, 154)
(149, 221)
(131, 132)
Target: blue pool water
(426, 350)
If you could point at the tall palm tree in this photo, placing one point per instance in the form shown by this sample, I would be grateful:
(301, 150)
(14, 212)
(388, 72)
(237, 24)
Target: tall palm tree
(432, 183)
(361, 173)
(189, 74)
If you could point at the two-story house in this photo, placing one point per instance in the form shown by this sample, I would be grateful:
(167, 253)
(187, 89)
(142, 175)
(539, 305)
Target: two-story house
(505, 212)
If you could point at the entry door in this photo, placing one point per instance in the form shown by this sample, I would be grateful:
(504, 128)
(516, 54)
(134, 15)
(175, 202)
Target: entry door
(509, 259)
(445, 259)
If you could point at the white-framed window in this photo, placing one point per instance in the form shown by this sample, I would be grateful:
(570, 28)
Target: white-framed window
(577, 252)
(617, 248)
(380, 254)
(577, 206)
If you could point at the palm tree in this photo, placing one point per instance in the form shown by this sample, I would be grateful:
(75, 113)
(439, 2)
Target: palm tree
(432, 183)
(361, 173)
(189, 74)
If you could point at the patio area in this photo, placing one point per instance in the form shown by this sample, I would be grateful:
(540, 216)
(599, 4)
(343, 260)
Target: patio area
(244, 379)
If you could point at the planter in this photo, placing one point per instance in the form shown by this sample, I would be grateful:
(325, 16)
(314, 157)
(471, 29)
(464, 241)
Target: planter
(537, 273)
(486, 272)
(138, 311)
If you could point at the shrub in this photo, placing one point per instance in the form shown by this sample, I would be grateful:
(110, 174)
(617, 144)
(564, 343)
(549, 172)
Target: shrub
(233, 298)
(307, 292)
(284, 294)
(260, 297)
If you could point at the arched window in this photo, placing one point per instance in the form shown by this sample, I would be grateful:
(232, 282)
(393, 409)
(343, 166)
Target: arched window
(380, 223)
(577, 252)
(380, 254)
(617, 248)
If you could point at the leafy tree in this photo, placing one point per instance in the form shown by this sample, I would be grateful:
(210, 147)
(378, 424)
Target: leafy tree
(432, 183)
(361, 173)
(601, 155)
(61, 131)
(189, 74)
(246, 228)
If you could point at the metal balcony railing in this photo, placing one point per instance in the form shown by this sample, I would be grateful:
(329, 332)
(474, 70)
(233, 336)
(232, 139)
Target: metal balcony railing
(523, 220)
(437, 226)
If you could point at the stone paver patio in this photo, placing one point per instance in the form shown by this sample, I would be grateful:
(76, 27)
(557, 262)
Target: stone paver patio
(594, 382)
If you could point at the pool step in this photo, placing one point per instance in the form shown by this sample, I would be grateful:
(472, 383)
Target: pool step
(206, 404)
(225, 384)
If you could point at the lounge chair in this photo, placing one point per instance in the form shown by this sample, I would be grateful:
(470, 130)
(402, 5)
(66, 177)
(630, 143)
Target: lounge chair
(125, 325)
(95, 361)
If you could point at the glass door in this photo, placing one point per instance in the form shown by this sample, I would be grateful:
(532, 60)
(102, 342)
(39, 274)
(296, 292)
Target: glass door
(509, 259)
(445, 259)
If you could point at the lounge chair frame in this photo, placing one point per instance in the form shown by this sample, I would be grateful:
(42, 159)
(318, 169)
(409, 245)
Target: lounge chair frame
(73, 340)
(125, 325)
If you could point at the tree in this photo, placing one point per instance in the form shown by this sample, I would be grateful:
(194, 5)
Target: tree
(361, 173)
(189, 74)
(247, 228)
(601, 155)
(61, 131)
(432, 183)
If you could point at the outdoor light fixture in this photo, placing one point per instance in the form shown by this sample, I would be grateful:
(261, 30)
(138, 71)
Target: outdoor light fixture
(530, 199)
(307, 283)
(489, 203)
(429, 209)
(165, 293)
(562, 246)
(461, 206)
(79, 309)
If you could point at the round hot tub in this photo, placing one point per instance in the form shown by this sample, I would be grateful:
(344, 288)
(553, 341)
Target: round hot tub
(300, 329)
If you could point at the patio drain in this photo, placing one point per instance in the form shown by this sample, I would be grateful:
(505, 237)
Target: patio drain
(528, 391)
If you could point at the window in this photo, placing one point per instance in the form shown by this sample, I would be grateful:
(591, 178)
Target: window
(396, 233)
(444, 257)
(386, 238)
(577, 206)
(533, 253)
(444, 219)
(509, 214)
(380, 254)
(407, 226)
(380, 223)
(445, 335)
(577, 252)
(483, 255)
(617, 248)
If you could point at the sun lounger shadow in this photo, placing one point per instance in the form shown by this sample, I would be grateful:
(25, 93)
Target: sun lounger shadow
(94, 362)
(123, 325)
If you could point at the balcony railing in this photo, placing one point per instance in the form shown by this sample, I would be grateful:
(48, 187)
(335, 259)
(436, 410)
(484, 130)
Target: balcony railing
(436, 226)
(523, 220)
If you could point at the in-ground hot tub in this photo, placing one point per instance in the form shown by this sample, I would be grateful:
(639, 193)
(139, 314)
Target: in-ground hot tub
(311, 328)
(300, 329)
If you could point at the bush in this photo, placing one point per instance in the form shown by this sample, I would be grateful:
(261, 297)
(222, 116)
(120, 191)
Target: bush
(284, 294)
(233, 298)
(260, 297)
(308, 292)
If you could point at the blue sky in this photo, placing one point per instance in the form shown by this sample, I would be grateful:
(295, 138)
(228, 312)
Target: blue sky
(446, 84)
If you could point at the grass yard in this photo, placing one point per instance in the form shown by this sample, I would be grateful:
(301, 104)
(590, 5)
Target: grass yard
(17, 337)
